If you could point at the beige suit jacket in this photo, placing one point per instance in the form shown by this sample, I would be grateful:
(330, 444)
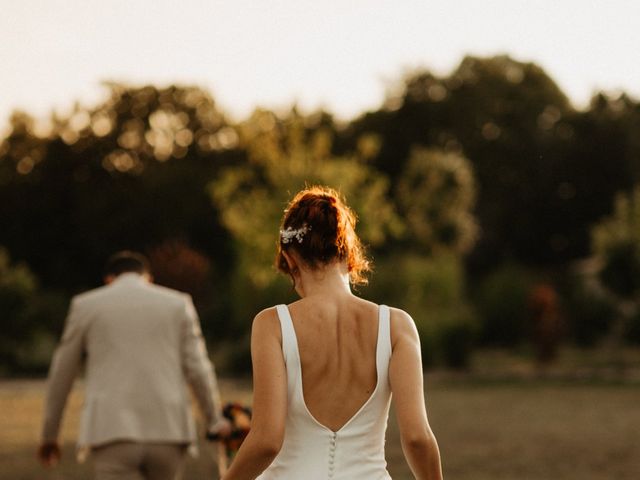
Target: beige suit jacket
(141, 346)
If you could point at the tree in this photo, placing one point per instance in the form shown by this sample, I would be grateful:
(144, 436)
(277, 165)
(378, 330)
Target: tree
(436, 195)
(544, 171)
(616, 242)
(130, 173)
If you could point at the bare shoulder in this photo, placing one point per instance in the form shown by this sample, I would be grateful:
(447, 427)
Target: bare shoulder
(402, 326)
(266, 324)
(266, 316)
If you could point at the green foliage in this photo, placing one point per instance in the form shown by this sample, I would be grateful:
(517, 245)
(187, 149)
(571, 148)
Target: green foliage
(140, 171)
(502, 302)
(27, 319)
(544, 171)
(282, 159)
(435, 194)
(589, 312)
(621, 273)
(412, 281)
(129, 173)
(616, 242)
(632, 331)
(47, 311)
(17, 285)
(458, 335)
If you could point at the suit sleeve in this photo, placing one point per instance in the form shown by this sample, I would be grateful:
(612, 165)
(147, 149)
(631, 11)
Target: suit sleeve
(197, 367)
(65, 365)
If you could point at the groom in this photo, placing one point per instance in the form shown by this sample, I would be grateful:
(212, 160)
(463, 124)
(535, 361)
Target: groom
(141, 345)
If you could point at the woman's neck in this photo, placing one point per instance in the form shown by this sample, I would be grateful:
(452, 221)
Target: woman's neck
(328, 280)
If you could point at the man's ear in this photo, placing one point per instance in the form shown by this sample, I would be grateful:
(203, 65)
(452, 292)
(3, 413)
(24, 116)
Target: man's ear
(108, 279)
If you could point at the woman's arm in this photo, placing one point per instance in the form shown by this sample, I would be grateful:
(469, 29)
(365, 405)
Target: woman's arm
(269, 400)
(405, 374)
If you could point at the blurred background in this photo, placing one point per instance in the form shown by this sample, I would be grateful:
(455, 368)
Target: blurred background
(491, 150)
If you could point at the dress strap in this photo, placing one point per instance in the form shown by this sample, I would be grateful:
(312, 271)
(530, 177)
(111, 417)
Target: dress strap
(289, 341)
(384, 334)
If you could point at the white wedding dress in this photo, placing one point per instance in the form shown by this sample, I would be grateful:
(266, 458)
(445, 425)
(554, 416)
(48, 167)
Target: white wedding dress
(312, 451)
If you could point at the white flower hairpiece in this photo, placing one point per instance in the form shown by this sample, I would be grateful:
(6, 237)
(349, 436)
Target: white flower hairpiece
(289, 233)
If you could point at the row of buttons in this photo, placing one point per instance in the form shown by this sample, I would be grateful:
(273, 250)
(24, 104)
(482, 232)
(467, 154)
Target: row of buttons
(332, 454)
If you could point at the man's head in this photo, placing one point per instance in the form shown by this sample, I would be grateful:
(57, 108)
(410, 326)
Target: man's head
(126, 262)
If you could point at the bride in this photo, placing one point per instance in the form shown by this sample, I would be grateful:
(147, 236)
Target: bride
(325, 366)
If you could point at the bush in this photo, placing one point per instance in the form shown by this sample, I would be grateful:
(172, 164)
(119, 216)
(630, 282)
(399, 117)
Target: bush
(30, 320)
(589, 314)
(616, 243)
(176, 265)
(632, 330)
(502, 302)
(17, 287)
(621, 271)
(47, 313)
(457, 338)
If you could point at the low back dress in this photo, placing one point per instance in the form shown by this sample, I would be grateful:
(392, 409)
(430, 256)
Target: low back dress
(312, 451)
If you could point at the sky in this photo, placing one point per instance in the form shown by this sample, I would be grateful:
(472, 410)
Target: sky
(340, 55)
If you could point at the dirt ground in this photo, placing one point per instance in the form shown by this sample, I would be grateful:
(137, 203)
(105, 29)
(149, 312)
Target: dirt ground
(519, 430)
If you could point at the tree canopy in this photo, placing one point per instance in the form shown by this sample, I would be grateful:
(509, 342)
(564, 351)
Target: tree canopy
(488, 165)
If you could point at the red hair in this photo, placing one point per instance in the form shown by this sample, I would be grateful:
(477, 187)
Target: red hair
(329, 233)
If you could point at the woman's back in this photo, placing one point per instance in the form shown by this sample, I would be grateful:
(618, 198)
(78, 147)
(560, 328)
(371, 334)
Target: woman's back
(337, 360)
(337, 344)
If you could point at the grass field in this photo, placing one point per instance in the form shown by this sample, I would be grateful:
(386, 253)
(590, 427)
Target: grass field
(487, 430)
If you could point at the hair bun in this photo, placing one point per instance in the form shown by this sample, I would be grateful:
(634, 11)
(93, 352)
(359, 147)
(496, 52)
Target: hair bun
(330, 235)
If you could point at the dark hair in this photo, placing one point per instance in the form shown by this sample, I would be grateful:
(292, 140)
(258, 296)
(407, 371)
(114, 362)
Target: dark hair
(126, 261)
(329, 233)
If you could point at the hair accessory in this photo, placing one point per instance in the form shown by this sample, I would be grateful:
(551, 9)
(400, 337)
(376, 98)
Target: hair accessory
(289, 233)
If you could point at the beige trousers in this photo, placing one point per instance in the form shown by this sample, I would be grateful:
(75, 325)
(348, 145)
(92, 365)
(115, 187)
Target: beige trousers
(138, 461)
